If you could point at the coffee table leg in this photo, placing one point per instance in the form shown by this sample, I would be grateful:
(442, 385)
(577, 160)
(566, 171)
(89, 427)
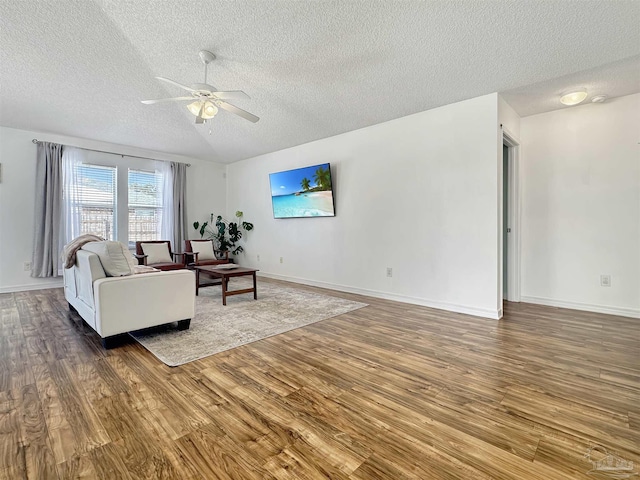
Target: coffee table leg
(224, 291)
(255, 289)
(197, 281)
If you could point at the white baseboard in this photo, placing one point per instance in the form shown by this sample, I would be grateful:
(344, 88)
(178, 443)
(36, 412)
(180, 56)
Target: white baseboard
(450, 307)
(34, 286)
(586, 307)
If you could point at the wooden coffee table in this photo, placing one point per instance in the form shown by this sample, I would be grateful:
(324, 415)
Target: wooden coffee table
(224, 274)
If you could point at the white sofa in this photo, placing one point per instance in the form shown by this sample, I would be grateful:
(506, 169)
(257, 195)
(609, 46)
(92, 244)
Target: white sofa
(115, 305)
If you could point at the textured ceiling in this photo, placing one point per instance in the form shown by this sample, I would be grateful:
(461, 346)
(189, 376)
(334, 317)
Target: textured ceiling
(312, 69)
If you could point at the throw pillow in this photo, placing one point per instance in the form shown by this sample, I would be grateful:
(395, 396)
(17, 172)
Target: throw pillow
(156, 252)
(203, 249)
(113, 257)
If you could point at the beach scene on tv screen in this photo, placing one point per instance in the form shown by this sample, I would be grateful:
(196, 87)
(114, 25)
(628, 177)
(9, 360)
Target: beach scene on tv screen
(304, 192)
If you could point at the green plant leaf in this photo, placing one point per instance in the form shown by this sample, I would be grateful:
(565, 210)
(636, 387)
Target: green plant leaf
(226, 234)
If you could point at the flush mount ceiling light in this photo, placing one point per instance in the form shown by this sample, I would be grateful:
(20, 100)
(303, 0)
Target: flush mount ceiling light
(598, 98)
(574, 97)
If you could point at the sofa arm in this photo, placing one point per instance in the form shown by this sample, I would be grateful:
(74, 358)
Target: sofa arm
(124, 304)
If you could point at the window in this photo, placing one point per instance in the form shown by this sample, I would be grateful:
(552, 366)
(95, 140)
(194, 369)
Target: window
(145, 205)
(96, 194)
(114, 197)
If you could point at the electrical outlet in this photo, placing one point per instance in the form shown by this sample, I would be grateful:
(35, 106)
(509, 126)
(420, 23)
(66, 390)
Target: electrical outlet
(281, 260)
(605, 280)
(389, 272)
(258, 257)
(27, 266)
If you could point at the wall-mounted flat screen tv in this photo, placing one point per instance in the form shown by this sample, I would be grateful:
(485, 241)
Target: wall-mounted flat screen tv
(303, 192)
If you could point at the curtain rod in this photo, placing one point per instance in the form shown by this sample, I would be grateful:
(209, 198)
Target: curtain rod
(35, 140)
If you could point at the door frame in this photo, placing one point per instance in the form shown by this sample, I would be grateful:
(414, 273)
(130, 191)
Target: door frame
(513, 213)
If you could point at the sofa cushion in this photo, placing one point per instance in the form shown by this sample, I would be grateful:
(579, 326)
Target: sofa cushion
(113, 257)
(203, 249)
(156, 252)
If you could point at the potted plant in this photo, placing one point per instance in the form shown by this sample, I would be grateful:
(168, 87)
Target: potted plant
(227, 234)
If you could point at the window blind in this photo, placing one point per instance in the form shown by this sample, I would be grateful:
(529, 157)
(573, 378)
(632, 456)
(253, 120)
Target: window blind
(145, 205)
(96, 197)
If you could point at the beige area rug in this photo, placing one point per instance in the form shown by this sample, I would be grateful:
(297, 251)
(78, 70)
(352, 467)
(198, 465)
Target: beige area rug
(216, 328)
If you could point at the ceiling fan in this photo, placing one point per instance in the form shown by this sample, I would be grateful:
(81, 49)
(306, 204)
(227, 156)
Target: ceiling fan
(205, 99)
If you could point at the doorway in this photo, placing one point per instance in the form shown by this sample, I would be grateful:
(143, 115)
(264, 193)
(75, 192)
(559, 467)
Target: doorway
(510, 238)
(505, 220)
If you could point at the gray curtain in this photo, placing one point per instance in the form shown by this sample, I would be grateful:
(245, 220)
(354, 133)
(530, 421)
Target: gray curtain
(179, 177)
(48, 228)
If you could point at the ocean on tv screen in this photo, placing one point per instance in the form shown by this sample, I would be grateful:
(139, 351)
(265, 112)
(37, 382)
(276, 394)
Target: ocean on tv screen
(311, 204)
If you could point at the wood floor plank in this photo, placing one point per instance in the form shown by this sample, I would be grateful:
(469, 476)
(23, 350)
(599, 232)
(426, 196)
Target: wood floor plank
(78, 412)
(572, 418)
(15, 371)
(62, 439)
(565, 455)
(465, 448)
(39, 458)
(213, 456)
(77, 468)
(11, 446)
(389, 391)
(108, 463)
(300, 461)
(139, 452)
(634, 420)
(391, 453)
(10, 325)
(339, 451)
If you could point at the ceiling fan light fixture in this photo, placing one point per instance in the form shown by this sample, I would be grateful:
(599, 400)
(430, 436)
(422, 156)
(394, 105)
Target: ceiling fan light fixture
(574, 97)
(195, 107)
(209, 111)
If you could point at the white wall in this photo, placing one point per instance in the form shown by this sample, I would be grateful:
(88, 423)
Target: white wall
(581, 206)
(417, 194)
(205, 183)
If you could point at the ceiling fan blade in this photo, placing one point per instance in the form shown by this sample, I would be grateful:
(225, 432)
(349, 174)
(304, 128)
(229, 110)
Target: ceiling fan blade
(161, 100)
(232, 95)
(184, 87)
(238, 111)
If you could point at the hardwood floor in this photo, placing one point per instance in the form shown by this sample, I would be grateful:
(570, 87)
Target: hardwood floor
(389, 391)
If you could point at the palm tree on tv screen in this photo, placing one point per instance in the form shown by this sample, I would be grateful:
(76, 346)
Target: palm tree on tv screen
(322, 178)
(305, 183)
